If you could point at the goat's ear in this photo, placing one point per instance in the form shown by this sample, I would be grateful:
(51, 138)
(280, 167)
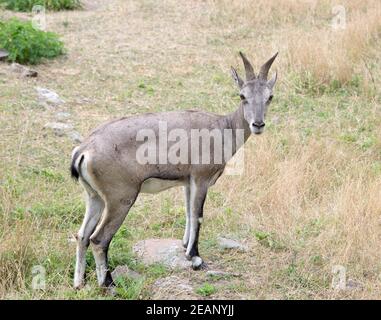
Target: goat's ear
(271, 82)
(236, 78)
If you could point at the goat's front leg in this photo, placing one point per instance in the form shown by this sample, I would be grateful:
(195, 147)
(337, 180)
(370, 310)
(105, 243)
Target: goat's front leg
(198, 191)
(187, 216)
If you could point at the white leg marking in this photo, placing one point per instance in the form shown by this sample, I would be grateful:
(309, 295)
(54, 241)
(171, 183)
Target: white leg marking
(101, 270)
(192, 236)
(186, 232)
(187, 215)
(193, 219)
(94, 208)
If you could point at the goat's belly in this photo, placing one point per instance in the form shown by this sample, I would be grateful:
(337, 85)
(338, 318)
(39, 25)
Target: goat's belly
(155, 185)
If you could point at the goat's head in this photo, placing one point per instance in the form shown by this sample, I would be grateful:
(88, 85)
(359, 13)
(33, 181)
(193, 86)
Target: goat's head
(256, 93)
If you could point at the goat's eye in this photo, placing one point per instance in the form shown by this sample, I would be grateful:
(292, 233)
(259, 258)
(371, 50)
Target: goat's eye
(242, 97)
(270, 98)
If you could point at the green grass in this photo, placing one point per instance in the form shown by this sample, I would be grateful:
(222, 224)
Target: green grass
(26, 44)
(27, 5)
(129, 289)
(269, 240)
(206, 290)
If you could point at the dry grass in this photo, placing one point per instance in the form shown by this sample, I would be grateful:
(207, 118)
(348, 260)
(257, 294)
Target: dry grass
(303, 31)
(337, 54)
(16, 257)
(312, 182)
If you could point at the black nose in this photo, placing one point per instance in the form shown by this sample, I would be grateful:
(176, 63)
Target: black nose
(258, 124)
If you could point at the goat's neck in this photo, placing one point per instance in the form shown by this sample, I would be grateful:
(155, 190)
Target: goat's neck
(236, 121)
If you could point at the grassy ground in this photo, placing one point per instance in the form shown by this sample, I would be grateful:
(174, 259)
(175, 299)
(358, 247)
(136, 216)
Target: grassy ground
(310, 198)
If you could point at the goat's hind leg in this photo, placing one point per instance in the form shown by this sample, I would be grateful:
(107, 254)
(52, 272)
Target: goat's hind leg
(94, 209)
(114, 215)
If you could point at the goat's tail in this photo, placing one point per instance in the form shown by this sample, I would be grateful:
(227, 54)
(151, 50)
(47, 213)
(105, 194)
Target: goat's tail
(76, 160)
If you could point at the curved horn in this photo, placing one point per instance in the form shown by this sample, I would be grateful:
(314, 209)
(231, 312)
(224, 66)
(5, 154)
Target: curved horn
(266, 67)
(250, 75)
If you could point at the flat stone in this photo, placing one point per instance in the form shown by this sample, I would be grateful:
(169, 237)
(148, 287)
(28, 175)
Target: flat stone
(125, 271)
(49, 97)
(169, 252)
(29, 73)
(62, 116)
(59, 128)
(23, 70)
(227, 244)
(173, 287)
(3, 54)
(75, 136)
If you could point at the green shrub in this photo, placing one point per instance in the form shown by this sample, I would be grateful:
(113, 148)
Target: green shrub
(26, 44)
(27, 5)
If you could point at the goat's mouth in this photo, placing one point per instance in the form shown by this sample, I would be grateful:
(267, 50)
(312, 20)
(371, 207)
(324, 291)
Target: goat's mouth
(257, 130)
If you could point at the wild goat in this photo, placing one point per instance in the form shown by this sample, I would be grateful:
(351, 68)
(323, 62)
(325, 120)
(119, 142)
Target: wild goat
(122, 158)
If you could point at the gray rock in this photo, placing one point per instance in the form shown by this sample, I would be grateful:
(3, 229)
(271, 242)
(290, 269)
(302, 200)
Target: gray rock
(48, 97)
(82, 100)
(59, 128)
(3, 54)
(173, 287)
(169, 252)
(23, 70)
(226, 244)
(62, 116)
(75, 136)
(30, 73)
(124, 271)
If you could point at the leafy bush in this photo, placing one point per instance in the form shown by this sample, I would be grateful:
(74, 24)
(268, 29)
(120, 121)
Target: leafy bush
(27, 5)
(26, 44)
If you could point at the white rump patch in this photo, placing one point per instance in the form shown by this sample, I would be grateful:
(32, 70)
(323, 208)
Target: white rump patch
(74, 151)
